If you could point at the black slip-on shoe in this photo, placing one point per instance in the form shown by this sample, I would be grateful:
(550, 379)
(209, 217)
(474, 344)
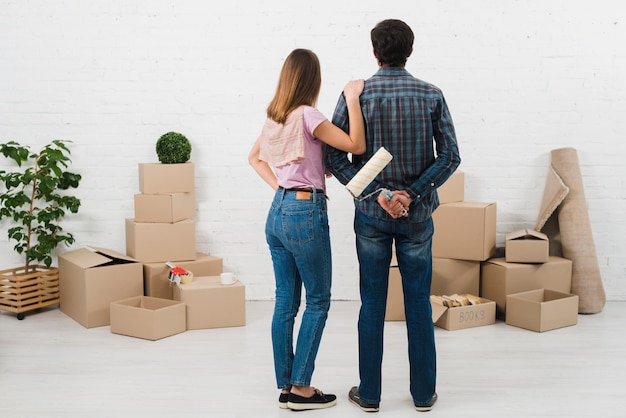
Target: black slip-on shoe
(282, 400)
(427, 406)
(319, 400)
(354, 397)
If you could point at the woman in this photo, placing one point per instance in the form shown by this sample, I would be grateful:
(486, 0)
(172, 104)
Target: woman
(288, 156)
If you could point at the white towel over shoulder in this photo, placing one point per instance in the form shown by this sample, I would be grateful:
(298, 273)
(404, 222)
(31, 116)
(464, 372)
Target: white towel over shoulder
(283, 144)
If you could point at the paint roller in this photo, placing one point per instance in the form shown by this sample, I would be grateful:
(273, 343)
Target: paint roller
(368, 172)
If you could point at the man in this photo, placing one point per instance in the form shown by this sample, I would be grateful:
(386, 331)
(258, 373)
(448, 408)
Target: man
(410, 118)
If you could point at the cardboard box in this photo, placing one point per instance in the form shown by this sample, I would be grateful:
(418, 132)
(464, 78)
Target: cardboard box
(395, 295)
(465, 231)
(166, 178)
(154, 242)
(90, 280)
(464, 316)
(526, 246)
(449, 276)
(455, 276)
(156, 275)
(166, 207)
(147, 317)
(211, 304)
(453, 190)
(499, 278)
(542, 310)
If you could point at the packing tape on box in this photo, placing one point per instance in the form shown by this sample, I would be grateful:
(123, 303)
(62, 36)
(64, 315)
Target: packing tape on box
(178, 275)
(368, 172)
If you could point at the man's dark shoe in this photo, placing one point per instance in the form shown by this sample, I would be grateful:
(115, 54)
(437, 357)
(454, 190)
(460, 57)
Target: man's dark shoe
(282, 400)
(356, 399)
(317, 401)
(427, 406)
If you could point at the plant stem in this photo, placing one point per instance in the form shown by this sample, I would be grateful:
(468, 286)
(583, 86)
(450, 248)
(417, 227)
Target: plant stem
(30, 212)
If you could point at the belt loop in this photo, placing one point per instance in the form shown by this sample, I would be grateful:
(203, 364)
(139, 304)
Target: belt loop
(282, 192)
(321, 193)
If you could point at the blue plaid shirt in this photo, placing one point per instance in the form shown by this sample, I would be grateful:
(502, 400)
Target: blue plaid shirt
(410, 118)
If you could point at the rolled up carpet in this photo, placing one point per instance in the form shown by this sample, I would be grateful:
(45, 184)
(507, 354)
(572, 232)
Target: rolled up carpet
(565, 220)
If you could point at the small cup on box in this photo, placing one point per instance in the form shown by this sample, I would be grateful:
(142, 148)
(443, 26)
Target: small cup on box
(227, 278)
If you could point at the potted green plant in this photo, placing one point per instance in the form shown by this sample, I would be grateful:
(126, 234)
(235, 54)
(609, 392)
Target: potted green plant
(173, 148)
(34, 198)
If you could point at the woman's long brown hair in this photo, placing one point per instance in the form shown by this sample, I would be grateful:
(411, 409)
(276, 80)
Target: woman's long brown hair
(299, 84)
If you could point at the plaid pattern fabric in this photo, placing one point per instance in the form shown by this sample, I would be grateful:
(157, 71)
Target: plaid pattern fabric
(410, 118)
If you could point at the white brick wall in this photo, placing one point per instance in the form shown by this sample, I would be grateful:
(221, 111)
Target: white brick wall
(521, 79)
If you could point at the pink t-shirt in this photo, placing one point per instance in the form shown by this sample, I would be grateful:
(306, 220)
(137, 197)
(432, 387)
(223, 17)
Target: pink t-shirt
(310, 172)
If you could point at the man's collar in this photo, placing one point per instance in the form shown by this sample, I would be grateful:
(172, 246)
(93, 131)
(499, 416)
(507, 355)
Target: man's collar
(393, 71)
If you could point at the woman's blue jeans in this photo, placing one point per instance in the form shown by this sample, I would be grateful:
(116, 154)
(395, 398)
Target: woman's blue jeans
(299, 242)
(374, 239)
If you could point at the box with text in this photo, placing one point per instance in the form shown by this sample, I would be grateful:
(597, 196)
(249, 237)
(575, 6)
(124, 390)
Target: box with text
(461, 317)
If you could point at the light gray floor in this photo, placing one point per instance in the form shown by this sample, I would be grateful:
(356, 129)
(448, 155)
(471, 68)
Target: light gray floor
(51, 366)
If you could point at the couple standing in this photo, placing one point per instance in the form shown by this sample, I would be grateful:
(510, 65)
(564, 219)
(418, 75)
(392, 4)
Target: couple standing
(408, 117)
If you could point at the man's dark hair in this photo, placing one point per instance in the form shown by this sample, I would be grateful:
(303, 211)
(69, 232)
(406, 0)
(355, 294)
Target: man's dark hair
(392, 40)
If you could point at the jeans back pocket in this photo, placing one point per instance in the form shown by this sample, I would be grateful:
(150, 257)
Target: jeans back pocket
(298, 225)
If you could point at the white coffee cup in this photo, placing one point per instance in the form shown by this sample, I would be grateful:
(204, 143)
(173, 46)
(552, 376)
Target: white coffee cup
(227, 278)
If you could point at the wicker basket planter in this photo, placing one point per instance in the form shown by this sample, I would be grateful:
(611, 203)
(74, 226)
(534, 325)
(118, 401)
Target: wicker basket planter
(22, 292)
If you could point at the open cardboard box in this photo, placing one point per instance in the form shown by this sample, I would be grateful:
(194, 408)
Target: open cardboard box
(147, 317)
(462, 317)
(499, 278)
(541, 310)
(91, 278)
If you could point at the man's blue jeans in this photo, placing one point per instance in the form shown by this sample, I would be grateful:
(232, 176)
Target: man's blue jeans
(374, 239)
(299, 241)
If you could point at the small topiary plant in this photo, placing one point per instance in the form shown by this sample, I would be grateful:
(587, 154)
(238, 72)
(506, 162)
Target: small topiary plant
(173, 148)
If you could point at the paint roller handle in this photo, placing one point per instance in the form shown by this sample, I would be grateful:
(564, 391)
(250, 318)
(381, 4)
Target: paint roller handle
(392, 208)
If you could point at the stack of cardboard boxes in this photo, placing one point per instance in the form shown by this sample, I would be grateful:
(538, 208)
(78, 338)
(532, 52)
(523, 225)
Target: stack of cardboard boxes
(463, 245)
(465, 235)
(164, 228)
(530, 287)
(133, 293)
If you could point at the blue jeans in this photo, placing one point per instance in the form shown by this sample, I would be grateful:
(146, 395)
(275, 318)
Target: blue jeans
(374, 239)
(299, 242)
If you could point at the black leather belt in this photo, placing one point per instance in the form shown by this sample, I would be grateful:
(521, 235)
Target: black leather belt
(303, 189)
